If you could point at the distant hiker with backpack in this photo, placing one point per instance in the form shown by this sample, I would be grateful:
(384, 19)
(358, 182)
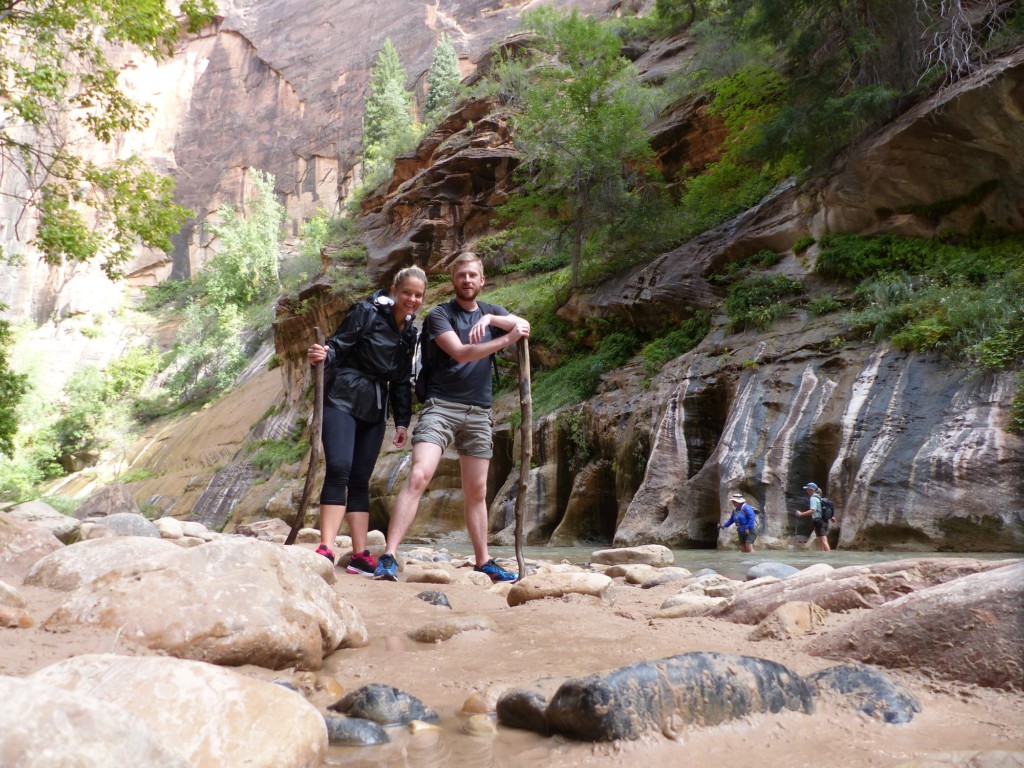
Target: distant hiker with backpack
(818, 517)
(745, 518)
(459, 338)
(369, 365)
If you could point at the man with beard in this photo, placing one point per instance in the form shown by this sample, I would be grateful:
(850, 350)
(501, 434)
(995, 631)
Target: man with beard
(459, 338)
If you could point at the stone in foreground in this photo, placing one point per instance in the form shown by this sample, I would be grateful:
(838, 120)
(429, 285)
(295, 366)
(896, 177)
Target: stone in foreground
(869, 690)
(660, 696)
(646, 554)
(354, 732)
(967, 629)
(205, 713)
(384, 704)
(523, 709)
(44, 725)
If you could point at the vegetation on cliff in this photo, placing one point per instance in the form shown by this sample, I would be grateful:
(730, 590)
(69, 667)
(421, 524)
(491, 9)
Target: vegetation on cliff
(790, 84)
(12, 389)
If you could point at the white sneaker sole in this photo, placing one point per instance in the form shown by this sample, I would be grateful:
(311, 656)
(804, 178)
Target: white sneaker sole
(357, 572)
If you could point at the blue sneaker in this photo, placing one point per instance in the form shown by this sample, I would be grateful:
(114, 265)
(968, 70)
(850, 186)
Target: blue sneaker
(387, 568)
(495, 571)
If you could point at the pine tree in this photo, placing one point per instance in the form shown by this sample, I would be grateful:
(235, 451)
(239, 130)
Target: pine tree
(388, 118)
(442, 79)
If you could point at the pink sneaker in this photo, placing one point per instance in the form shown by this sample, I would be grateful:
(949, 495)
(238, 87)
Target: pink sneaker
(363, 564)
(323, 550)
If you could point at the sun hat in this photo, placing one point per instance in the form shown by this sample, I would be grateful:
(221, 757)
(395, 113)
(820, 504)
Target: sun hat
(738, 498)
(812, 486)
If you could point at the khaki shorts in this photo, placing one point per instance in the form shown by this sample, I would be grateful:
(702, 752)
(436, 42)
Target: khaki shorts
(470, 426)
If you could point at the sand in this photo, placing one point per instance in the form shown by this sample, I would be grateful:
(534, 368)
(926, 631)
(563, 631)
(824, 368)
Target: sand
(554, 639)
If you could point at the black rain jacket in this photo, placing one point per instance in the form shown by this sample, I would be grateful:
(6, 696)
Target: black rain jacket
(369, 363)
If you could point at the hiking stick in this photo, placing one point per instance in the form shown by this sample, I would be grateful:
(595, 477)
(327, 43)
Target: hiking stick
(315, 428)
(526, 440)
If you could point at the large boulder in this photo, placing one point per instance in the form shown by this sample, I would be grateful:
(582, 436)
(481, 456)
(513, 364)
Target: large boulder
(983, 612)
(45, 725)
(40, 513)
(843, 589)
(22, 545)
(85, 562)
(130, 524)
(645, 554)
(660, 696)
(231, 601)
(209, 715)
(106, 501)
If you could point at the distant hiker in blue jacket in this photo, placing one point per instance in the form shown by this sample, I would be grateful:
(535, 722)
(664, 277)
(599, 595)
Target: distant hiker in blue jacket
(746, 522)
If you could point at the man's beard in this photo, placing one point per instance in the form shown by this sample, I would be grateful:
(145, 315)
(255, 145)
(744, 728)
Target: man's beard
(467, 293)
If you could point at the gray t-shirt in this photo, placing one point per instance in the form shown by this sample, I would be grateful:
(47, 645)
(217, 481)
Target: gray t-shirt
(816, 507)
(468, 383)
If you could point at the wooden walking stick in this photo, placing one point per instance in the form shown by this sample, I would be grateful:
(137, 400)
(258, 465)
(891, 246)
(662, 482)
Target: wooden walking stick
(315, 428)
(526, 440)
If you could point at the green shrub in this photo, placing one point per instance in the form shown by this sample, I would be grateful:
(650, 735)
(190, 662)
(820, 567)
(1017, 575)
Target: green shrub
(538, 299)
(962, 298)
(576, 379)
(761, 300)
(137, 474)
(1017, 408)
(802, 244)
(855, 257)
(169, 293)
(745, 266)
(154, 405)
(268, 455)
(676, 342)
(823, 305)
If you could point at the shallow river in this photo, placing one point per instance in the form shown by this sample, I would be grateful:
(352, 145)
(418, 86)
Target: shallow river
(730, 563)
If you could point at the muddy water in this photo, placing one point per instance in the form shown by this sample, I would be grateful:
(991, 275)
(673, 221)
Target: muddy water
(546, 641)
(733, 564)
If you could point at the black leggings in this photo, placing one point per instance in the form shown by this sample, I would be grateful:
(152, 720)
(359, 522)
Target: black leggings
(351, 447)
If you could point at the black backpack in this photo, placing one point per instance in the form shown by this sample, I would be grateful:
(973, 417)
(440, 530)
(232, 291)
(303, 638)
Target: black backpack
(421, 378)
(828, 509)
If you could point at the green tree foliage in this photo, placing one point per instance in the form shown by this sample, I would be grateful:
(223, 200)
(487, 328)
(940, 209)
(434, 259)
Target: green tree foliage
(13, 386)
(678, 15)
(442, 80)
(963, 299)
(94, 412)
(209, 351)
(581, 127)
(849, 64)
(389, 127)
(245, 269)
(211, 347)
(56, 85)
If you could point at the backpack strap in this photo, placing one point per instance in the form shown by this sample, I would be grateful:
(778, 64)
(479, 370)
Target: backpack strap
(488, 309)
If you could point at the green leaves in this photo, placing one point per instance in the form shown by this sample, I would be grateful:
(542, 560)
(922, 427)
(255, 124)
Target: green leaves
(760, 300)
(88, 212)
(389, 127)
(236, 285)
(442, 80)
(13, 386)
(57, 84)
(581, 127)
(245, 269)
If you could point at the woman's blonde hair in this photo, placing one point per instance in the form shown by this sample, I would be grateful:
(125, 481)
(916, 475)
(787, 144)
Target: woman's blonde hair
(405, 274)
